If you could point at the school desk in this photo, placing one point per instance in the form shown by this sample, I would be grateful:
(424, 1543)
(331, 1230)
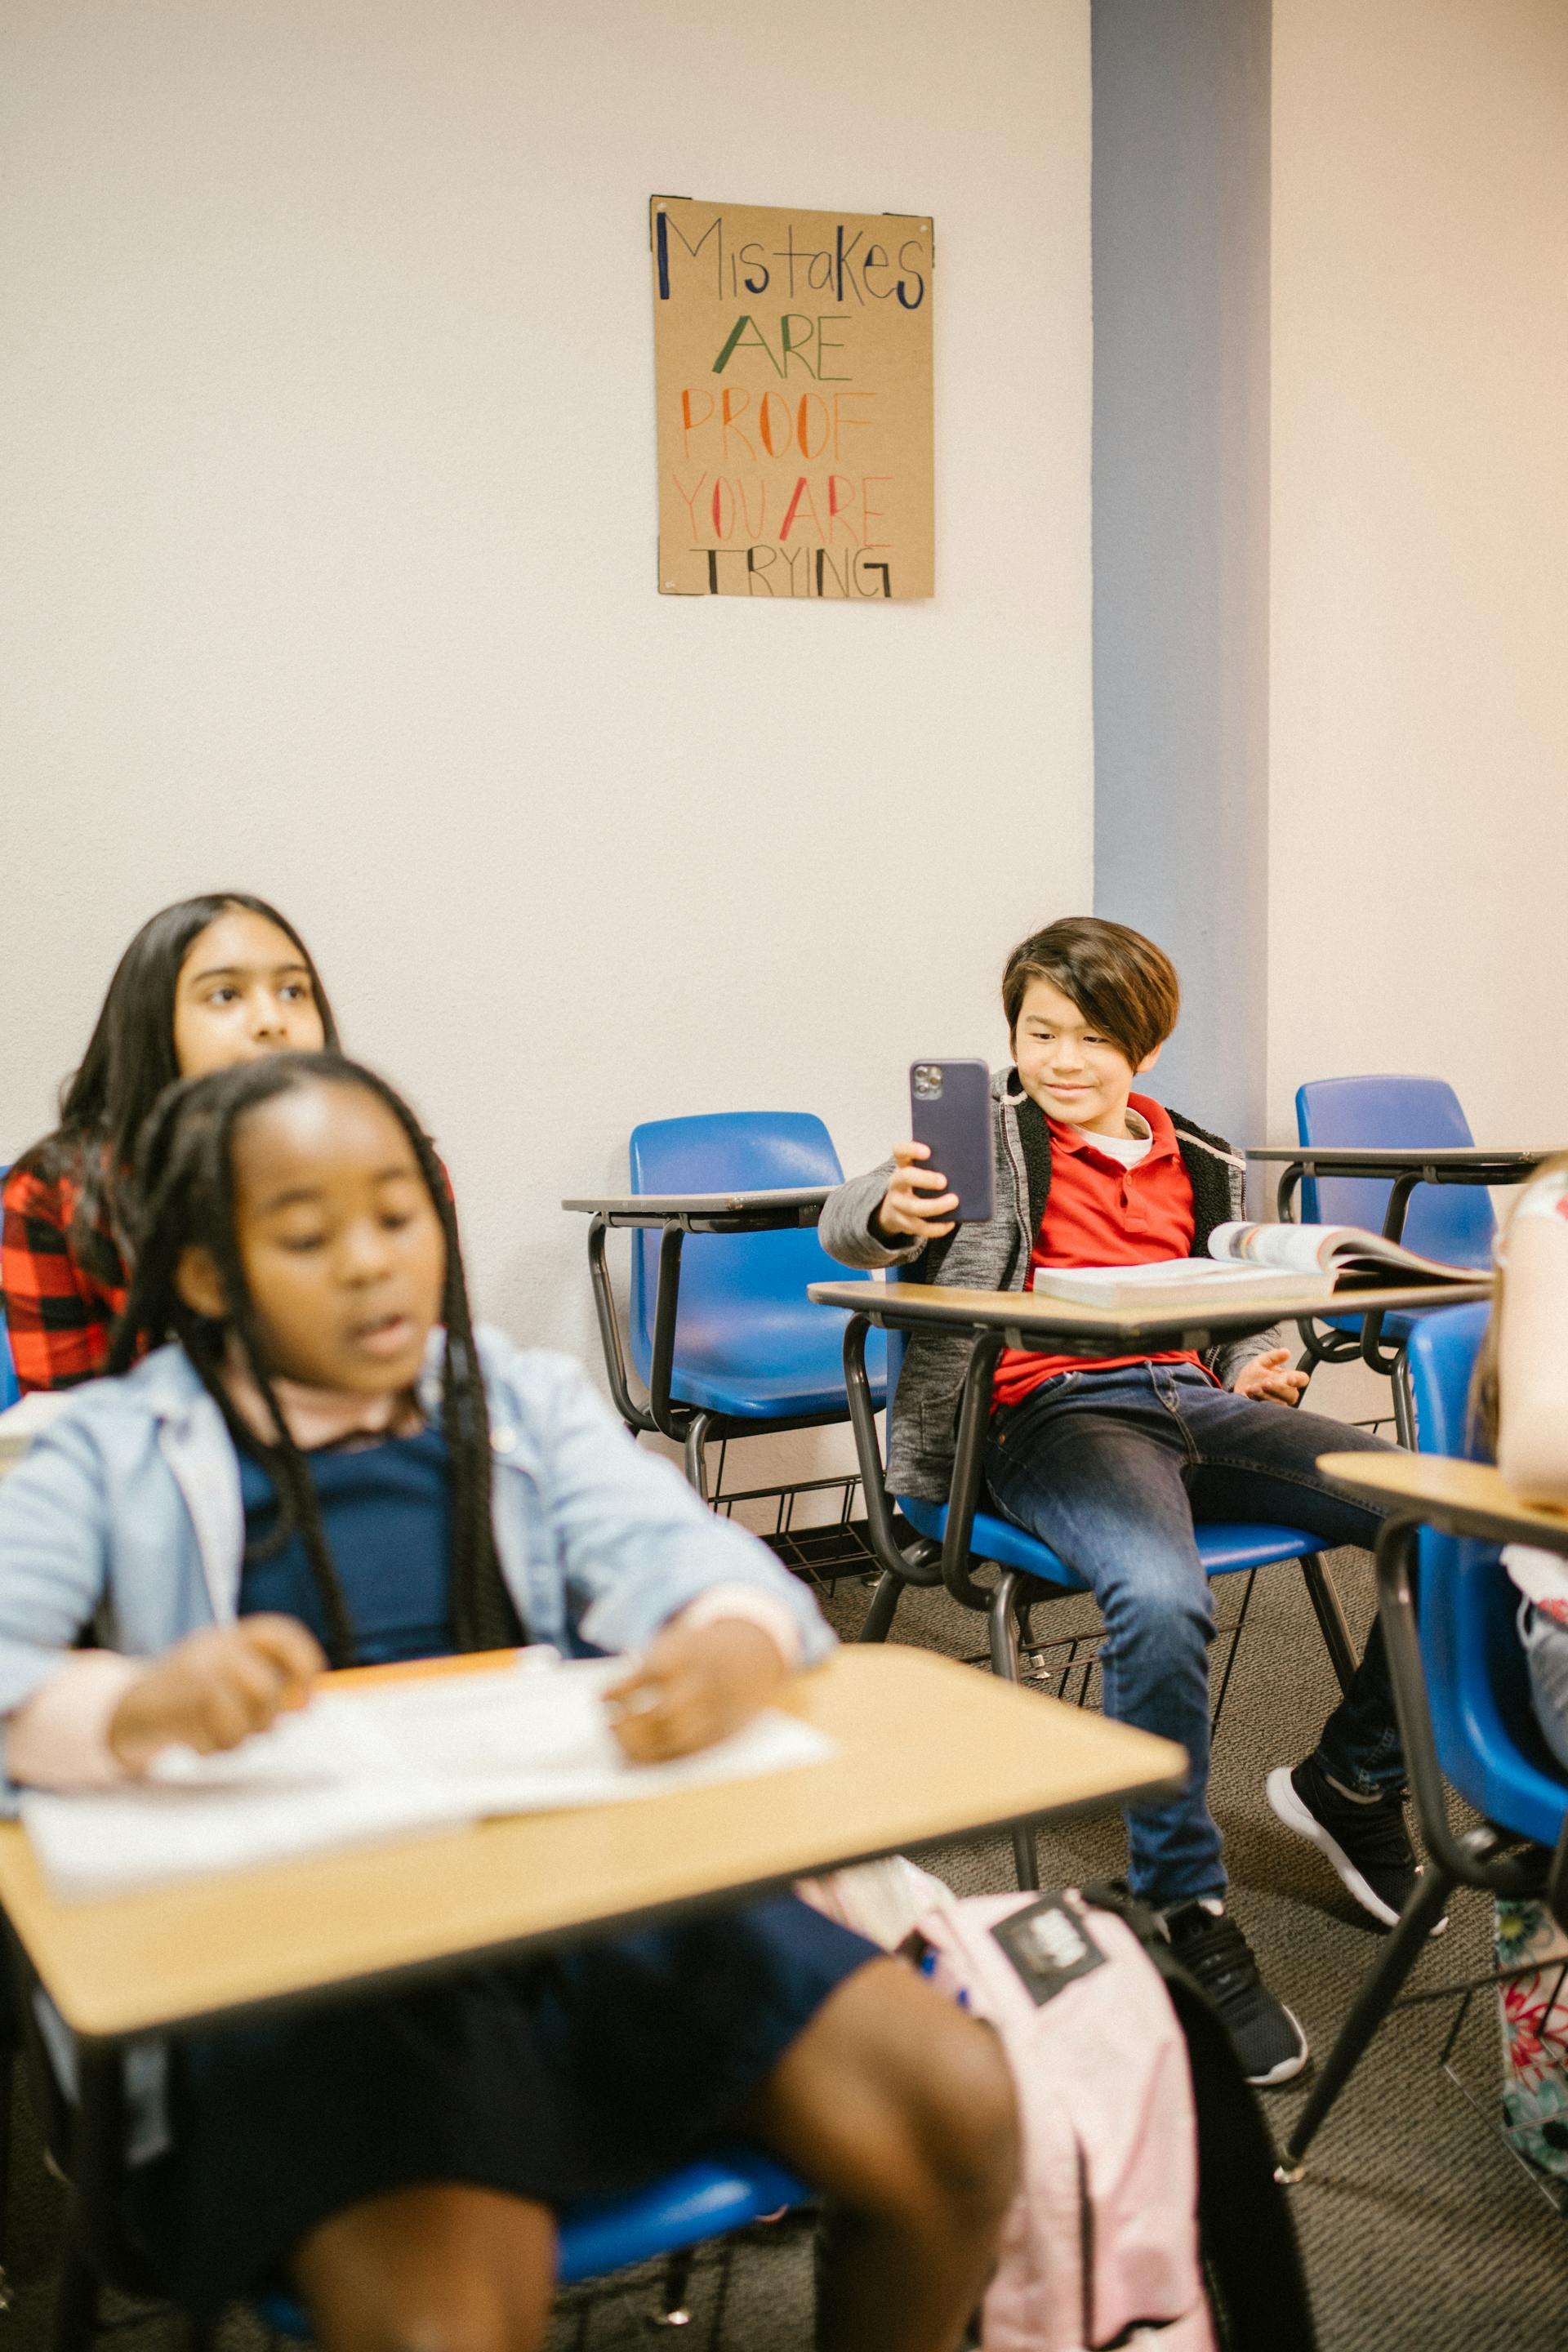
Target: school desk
(995, 1319)
(1406, 1165)
(927, 1750)
(673, 1216)
(1461, 1499)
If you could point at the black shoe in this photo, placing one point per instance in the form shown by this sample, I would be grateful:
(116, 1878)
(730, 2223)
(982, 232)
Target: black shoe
(1263, 2035)
(1367, 1843)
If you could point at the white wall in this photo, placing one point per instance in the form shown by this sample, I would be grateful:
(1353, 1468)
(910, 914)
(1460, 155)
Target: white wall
(326, 430)
(1419, 808)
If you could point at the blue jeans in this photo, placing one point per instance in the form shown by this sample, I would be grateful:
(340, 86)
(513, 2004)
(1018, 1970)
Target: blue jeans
(1110, 1469)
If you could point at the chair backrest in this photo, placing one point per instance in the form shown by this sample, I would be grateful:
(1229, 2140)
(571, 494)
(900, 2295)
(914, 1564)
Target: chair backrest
(10, 1387)
(730, 1280)
(1452, 1222)
(1477, 1681)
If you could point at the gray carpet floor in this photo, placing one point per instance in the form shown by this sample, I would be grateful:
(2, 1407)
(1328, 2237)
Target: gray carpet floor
(1419, 2229)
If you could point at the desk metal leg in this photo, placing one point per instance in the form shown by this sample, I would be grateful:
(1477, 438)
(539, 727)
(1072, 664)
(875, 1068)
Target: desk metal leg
(884, 1606)
(74, 2320)
(1371, 2006)
(96, 2166)
(1002, 1623)
(1331, 1616)
(695, 1449)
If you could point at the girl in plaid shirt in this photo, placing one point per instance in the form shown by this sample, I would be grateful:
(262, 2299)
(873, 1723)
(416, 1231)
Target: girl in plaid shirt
(211, 982)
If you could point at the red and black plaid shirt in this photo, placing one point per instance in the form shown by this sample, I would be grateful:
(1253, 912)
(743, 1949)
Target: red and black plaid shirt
(58, 1315)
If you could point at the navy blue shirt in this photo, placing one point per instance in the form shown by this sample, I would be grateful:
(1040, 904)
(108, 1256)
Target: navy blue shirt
(388, 1511)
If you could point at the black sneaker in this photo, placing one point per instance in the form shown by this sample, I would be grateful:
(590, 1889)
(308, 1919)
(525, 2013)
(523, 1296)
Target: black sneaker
(1367, 1843)
(1263, 2035)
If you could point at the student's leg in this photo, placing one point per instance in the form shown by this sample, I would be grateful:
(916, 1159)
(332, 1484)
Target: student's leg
(1095, 1469)
(900, 2109)
(1347, 1798)
(442, 2268)
(1259, 1460)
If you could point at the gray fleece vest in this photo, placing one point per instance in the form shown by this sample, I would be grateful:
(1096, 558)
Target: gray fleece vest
(995, 1256)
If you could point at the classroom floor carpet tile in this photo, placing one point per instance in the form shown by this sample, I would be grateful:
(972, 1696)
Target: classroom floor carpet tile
(1418, 2228)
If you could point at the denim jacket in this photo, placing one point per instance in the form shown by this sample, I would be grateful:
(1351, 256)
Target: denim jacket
(125, 1515)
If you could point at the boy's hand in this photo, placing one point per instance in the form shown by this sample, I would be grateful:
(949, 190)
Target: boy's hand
(693, 1687)
(1272, 1376)
(908, 1212)
(215, 1688)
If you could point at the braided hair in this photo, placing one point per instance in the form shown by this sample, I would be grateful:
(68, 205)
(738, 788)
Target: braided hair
(185, 1192)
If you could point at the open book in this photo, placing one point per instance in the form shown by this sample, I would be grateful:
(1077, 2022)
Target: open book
(1276, 1266)
(380, 1762)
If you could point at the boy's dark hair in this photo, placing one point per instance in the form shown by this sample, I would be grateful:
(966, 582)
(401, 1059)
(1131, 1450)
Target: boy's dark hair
(1118, 979)
(130, 1060)
(185, 1192)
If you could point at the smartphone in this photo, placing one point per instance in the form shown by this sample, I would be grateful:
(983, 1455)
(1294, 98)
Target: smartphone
(950, 1109)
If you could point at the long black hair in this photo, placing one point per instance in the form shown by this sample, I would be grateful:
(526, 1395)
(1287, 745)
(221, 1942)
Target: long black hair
(130, 1060)
(183, 1192)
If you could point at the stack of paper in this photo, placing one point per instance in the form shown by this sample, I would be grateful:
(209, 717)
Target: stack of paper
(385, 1761)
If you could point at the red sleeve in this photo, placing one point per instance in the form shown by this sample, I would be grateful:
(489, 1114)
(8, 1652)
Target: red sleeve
(59, 1315)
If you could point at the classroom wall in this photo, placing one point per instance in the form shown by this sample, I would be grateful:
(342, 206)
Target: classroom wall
(1418, 814)
(327, 459)
(1180, 218)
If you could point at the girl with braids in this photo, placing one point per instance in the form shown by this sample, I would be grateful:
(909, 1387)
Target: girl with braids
(323, 1455)
(216, 980)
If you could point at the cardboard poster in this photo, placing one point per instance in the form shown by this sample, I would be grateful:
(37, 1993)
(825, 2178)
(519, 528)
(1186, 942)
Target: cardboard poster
(793, 355)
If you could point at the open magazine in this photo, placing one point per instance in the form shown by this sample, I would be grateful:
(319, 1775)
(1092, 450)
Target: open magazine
(1275, 1264)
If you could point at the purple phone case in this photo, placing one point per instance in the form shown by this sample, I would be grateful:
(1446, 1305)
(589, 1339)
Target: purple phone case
(956, 1122)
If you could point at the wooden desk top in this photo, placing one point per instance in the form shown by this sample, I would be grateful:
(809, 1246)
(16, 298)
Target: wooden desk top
(794, 1205)
(928, 1749)
(1108, 1331)
(1465, 1498)
(1390, 1159)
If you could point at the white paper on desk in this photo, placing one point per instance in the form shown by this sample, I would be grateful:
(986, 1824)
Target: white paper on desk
(380, 1763)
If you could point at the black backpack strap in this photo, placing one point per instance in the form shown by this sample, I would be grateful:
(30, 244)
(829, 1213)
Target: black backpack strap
(1247, 2234)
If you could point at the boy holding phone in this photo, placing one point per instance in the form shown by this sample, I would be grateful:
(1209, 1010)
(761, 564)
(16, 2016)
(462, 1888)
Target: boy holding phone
(1109, 1463)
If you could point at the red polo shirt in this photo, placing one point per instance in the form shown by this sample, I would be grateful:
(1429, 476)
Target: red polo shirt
(1099, 1212)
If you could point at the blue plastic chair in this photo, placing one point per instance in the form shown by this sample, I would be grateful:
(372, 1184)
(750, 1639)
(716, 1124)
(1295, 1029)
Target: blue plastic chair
(1453, 1222)
(704, 2199)
(1450, 1221)
(1028, 1570)
(752, 1353)
(1477, 1681)
(1463, 1691)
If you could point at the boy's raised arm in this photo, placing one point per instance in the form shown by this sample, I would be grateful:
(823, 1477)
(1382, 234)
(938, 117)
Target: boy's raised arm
(886, 1216)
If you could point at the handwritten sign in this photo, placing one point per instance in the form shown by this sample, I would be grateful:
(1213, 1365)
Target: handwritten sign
(793, 353)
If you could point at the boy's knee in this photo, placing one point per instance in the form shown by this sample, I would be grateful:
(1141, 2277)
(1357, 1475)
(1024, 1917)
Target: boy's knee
(1166, 1615)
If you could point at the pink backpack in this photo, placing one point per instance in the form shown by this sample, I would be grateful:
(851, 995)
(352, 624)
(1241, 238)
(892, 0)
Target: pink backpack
(1148, 2213)
(1101, 2246)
